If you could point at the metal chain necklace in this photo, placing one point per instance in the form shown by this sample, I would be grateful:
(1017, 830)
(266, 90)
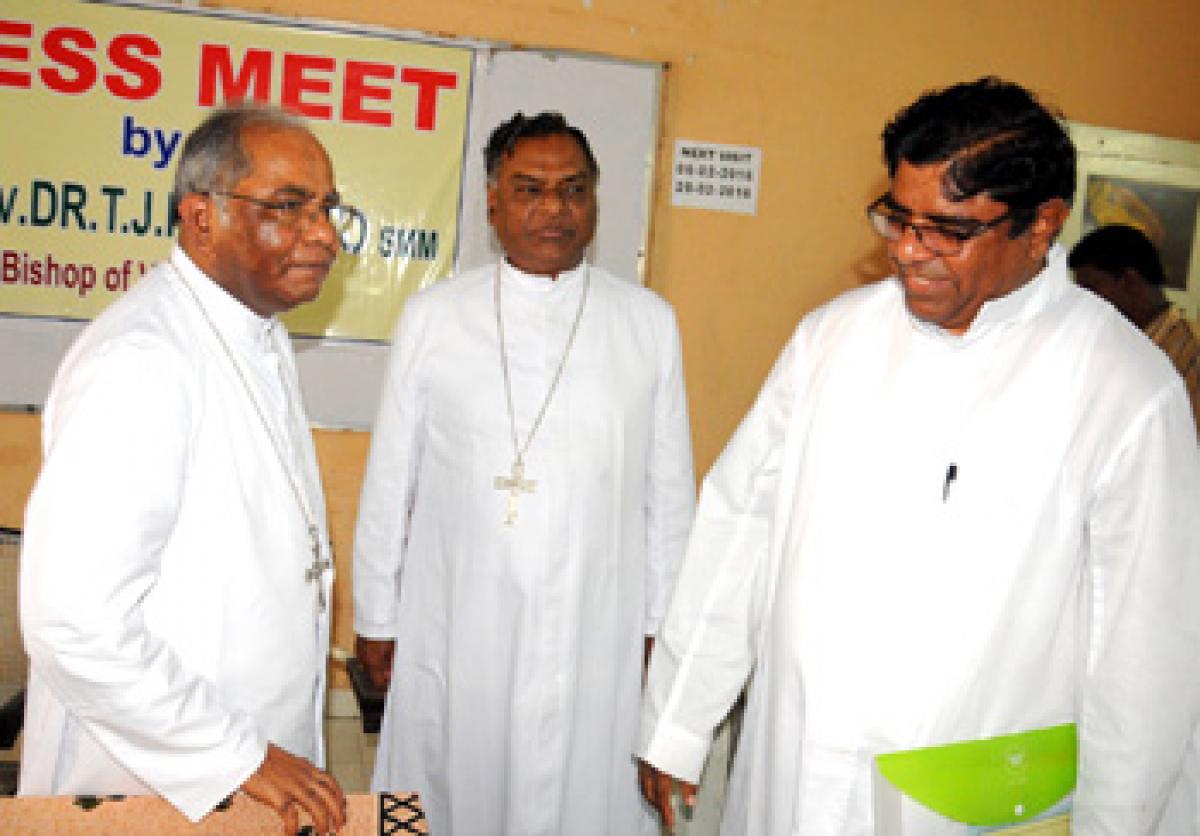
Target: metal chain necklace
(319, 565)
(516, 483)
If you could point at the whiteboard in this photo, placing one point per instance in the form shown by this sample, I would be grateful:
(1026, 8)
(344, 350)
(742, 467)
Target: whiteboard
(615, 103)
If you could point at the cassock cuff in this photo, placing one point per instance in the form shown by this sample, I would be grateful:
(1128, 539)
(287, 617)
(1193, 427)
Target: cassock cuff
(675, 750)
(375, 628)
(196, 799)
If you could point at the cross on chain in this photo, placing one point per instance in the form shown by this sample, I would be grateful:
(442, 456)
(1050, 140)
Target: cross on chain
(516, 484)
(319, 565)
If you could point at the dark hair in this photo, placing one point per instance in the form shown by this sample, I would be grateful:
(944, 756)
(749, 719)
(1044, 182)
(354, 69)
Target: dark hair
(1000, 140)
(546, 123)
(1117, 248)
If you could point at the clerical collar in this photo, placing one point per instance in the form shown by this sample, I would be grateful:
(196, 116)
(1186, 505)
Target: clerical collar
(1020, 305)
(235, 319)
(533, 281)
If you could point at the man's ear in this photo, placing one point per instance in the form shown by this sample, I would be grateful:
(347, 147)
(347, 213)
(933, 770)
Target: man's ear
(492, 196)
(1049, 219)
(196, 217)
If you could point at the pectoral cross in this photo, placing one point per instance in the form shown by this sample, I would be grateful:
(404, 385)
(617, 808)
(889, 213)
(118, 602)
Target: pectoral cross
(516, 484)
(319, 565)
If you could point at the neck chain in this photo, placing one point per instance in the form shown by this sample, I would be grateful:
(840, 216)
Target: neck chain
(319, 565)
(516, 483)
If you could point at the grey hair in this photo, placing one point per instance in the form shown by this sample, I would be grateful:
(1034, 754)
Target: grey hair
(212, 159)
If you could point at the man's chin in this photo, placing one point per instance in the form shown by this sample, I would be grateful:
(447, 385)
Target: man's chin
(926, 310)
(302, 292)
(940, 315)
(550, 263)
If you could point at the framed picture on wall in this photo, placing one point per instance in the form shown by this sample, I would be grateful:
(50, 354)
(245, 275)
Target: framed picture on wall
(1148, 182)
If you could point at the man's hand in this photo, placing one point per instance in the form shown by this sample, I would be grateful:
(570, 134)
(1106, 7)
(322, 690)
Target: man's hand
(285, 783)
(656, 786)
(376, 656)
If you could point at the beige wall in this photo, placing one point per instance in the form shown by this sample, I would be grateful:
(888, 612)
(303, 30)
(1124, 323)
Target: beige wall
(811, 83)
(20, 457)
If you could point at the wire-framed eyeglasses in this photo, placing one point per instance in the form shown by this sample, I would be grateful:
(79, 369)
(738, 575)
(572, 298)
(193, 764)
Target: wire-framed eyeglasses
(294, 212)
(945, 237)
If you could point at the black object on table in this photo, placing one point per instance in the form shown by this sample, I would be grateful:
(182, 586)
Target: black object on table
(12, 715)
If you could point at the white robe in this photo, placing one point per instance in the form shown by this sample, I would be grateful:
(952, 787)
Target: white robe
(170, 628)
(517, 675)
(1054, 578)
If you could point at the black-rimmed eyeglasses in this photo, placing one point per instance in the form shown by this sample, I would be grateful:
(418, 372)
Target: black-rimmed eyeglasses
(946, 237)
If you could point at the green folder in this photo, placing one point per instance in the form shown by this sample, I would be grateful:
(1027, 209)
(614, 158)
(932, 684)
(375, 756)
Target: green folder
(995, 781)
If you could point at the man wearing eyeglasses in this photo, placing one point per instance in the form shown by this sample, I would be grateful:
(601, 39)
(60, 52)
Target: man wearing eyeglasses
(964, 505)
(175, 571)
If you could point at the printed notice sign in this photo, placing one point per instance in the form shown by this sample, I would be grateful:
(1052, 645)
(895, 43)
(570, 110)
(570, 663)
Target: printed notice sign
(711, 176)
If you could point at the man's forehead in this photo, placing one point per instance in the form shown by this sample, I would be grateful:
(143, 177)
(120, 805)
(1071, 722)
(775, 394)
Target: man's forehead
(269, 136)
(950, 216)
(292, 156)
(924, 190)
(556, 151)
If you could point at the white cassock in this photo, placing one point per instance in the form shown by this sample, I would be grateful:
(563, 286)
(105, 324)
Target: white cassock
(1053, 578)
(517, 677)
(170, 627)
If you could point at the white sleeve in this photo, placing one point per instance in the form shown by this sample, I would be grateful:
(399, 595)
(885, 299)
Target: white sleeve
(706, 647)
(389, 484)
(1141, 693)
(671, 486)
(116, 452)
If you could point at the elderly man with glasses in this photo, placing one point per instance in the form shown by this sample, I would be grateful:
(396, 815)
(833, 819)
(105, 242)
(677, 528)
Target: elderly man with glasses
(175, 573)
(964, 505)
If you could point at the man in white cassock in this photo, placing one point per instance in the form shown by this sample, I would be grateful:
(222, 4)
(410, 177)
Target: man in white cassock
(526, 503)
(175, 571)
(963, 505)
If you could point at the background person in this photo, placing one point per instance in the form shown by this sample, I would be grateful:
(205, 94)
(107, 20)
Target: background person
(1121, 265)
(526, 502)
